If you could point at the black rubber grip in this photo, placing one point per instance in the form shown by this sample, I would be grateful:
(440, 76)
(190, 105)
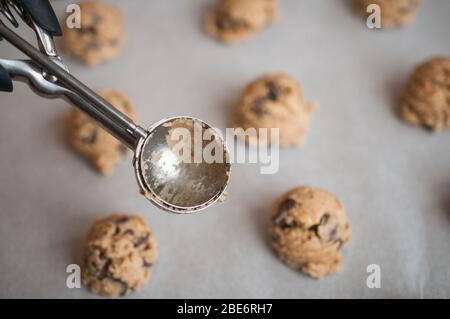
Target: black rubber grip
(43, 14)
(6, 84)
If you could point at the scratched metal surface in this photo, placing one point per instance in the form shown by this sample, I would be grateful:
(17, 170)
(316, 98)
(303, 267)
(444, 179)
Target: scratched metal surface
(394, 179)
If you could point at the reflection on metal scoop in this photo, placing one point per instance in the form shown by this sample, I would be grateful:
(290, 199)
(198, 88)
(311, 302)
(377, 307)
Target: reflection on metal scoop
(177, 181)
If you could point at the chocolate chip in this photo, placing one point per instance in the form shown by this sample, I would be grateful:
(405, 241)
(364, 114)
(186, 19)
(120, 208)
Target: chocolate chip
(102, 254)
(125, 288)
(88, 30)
(273, 93)
(221, 23)
(147, 264)
(105, 274)
(274, 90)
(284, 224)
(93, 264)
(122, 220)
(225, 21)
(283, 209)
(428, 127)
(129, 232)
(258, 106)
(286, 205)
(324, 219)
(91, 139)
(315, 228)
(104, 269)
(141, 240)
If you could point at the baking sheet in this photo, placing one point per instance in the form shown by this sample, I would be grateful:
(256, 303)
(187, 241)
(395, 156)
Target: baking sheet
(394, 179)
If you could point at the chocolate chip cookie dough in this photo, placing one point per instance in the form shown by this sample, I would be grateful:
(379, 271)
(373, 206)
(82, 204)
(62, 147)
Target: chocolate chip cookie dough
(101, 34)
(308, 230)
(234, 20)
(426, 99)
(394, 13)
(274, 101)
(119, 255)
(85, 136)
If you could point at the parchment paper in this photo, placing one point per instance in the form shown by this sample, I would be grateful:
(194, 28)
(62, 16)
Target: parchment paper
(394, 179)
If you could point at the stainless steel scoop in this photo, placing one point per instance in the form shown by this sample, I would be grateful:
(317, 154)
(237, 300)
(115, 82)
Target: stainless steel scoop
(166, 179)
(175, 183)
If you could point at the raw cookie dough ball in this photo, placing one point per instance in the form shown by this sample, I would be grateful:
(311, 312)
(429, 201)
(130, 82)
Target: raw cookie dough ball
(394, 13)
(85, 136)
(308, 229)
(119, 255)
(101, 34)
(234, 20)
(273, 101)
(426, 99)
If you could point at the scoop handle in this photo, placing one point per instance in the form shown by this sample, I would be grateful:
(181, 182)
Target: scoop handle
(43, 15)
(6, 84)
